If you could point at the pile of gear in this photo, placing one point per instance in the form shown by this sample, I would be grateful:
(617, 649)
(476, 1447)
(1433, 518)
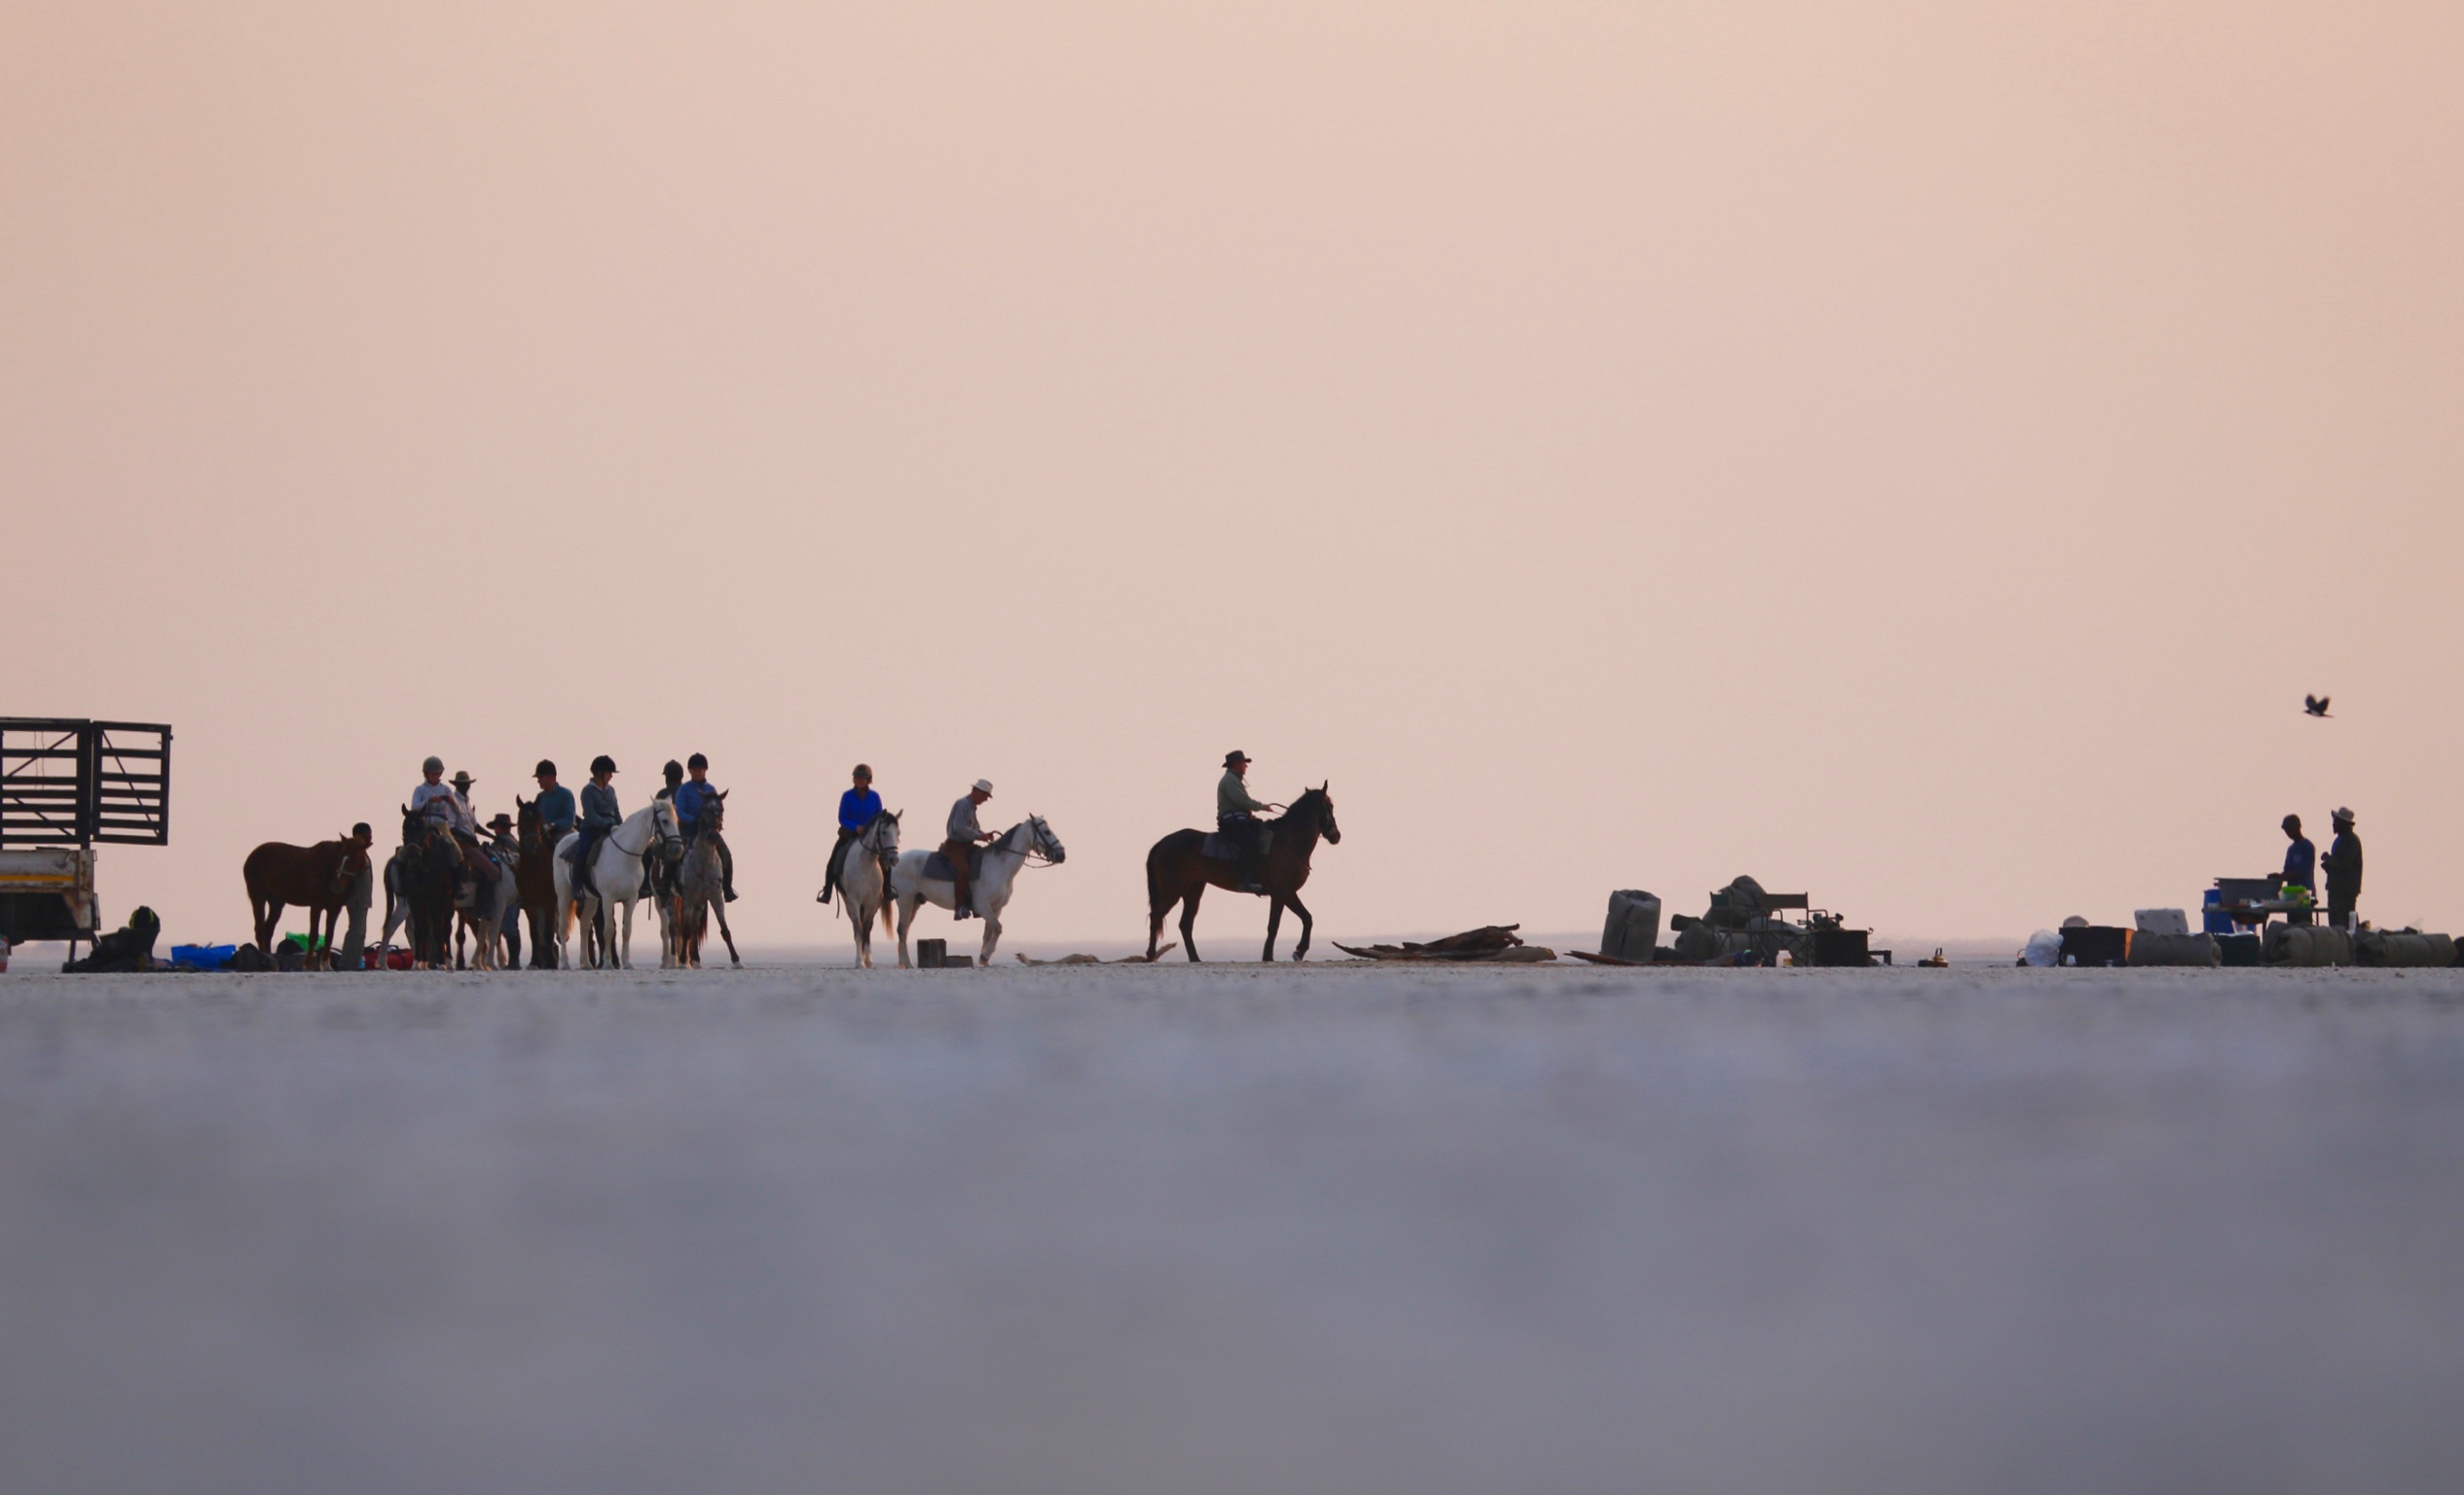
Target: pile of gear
(1742, 927)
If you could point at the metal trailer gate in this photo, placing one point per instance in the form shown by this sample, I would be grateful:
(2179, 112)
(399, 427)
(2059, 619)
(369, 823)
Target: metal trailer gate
(70, 782)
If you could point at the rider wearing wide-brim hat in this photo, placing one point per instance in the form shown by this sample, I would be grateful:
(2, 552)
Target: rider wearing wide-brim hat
(960, 839)
(1236, 816)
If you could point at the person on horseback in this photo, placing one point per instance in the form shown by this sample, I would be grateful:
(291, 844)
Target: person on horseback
(599, 815)
(449, 805)
(556, 803)
(691, 796)
(1236, 816)
(960, 838)
(504, 845)
(856, 811)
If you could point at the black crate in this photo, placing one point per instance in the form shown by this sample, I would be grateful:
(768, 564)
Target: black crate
(2095, 944)
(2242, 949)
(1841, 947)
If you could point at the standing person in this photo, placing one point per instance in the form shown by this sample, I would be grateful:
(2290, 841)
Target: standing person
(856, 811)
(599, 815)
(1236, 816)
(691, 796)
(2300, 861)
(2343, 864)
(960, 838)
(556, 804)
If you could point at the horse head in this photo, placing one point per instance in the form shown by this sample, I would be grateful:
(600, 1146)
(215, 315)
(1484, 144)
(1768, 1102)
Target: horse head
(881, 837)
(663, 821)
(714, 817)
(529, 830)
(1044, 842)
(1317, 800)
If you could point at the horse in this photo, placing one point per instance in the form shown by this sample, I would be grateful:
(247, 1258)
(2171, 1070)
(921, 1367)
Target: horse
(1008, 853)
(484, 907)
(615, 863)
(1178, 872)
(701, 887)
(419, 885)
(864, 881)
(534, 881)
(318, 878)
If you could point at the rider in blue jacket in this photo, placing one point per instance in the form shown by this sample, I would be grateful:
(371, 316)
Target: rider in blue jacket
(691, 796)
(856, 811)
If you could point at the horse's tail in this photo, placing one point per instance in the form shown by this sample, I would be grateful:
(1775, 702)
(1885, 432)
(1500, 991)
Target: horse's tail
(1157, 901)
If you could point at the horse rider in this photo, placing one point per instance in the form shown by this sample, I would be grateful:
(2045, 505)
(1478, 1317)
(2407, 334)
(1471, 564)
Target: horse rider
(960, 838)
(691, 796)
(856, 809)
(599, 815)
(555, 804)
(507, 845)
(449, 805)
(1236, 816)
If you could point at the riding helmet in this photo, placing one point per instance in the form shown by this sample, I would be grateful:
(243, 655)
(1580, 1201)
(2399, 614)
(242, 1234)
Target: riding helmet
(546, 766)
(697, 761)
(434, 765)
(602, 764)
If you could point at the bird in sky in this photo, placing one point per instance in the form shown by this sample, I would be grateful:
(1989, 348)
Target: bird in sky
(2316, 705)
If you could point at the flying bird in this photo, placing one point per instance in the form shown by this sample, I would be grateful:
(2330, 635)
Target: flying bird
(2316, 705)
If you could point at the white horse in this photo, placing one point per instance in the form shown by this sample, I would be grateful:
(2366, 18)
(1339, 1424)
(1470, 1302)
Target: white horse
(864, 881)
(615, 873)
(1009, 851)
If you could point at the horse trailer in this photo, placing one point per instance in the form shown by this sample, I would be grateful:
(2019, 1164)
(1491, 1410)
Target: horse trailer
(67, 784)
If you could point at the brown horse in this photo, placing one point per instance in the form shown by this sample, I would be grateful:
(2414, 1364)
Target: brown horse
(318, 878)
(1178, 872)
(535, 882)
(420, 882)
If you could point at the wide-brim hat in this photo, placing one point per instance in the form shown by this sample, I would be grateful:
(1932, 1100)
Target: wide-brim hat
(1234, 756)
(461, 779)
(982, 786)
(2344, 816)
(500, 820)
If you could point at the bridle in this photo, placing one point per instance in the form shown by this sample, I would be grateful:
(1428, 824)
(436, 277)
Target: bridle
(658, 830)
(1033, 854)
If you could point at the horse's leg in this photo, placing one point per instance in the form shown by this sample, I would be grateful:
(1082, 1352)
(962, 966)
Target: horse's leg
(1301, 951)
(720, 905)
(907, 918)
(1275, 922)
(992, 933)
(268, 914)
(1188, 919)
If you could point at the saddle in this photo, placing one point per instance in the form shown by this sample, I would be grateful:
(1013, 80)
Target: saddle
(1219, 847)
(936, 866)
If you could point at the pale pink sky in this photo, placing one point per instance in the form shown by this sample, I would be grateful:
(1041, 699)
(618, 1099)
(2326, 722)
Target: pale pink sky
(1915, 452)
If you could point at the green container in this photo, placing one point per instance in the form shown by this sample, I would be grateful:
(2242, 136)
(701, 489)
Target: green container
(300, 942)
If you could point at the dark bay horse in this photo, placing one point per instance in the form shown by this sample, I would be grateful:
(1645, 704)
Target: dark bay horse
(1177, 873)
(535, 882)
(421, 875)
(318, 878)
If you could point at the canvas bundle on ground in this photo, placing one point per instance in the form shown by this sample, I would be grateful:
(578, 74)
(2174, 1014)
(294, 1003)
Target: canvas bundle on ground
(2403, 948)
(2152, 949)
(1633, 931)
(2308, 944)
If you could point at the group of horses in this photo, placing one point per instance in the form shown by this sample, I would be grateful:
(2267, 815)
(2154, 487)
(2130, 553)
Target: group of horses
(438, 895)
(434, 892)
